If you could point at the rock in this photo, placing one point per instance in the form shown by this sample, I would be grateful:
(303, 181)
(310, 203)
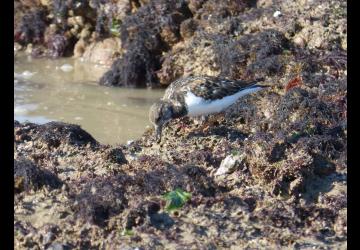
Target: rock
(45, 2)
(28, 176)
(99, 199)
(20, 182)
(299, 40)
(323, 166)
(53, 134)
(30, 3)
(277, 14)
(48, 237)
(161, 221)
(58, 246)
(85, 33)
(215, 55)
(344, 44)
(103, 52)
(27, 74)
(229, 163)
(123, 9)
(58, 45)
(135, 217)
(297, 186)
(50, 31)
(29, 49)
(76, 20)
(17, 47)
(31, 27)
(135, 68)
(187, 28)
(195, 5)
(79, 48)
(264, 3)
(67, 67)
(145, 35)
(115, 155)
(170, 36)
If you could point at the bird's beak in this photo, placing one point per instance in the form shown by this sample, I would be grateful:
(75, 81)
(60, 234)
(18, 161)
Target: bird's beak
(158, 130)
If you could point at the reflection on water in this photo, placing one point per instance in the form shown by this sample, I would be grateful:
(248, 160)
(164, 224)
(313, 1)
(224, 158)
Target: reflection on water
(44, 92)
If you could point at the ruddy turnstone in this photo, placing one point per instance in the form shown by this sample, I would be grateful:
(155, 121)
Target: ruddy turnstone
(197, 96)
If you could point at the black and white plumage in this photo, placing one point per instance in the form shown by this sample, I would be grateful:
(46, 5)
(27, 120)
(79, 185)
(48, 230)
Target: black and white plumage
(197, 96)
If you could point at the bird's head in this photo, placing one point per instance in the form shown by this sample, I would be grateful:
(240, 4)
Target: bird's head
(160, 113)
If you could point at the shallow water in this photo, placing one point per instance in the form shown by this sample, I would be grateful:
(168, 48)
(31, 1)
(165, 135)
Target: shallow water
(44, 92)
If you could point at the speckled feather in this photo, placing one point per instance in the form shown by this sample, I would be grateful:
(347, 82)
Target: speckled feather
(208, 88)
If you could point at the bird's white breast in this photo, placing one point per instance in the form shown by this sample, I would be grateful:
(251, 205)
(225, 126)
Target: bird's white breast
(198, 106)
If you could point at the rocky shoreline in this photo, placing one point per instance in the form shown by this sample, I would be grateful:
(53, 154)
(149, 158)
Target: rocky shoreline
(280, 187)
(270, 172)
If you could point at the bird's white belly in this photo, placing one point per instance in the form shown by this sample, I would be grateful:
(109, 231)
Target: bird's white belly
(198, 106)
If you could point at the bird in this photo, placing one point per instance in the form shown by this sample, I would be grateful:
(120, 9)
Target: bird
(196, 96)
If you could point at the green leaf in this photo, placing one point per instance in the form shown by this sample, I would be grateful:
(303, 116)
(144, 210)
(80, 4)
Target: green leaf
(176, 199)
(128, 232)
(234, 152)
(115, 27)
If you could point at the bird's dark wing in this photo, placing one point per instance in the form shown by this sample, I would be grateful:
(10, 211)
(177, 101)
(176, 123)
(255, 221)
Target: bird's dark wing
(211, 88)
(177, 87)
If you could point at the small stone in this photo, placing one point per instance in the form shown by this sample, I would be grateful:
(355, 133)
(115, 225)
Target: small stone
(57, 246)
(17, 47)
(296, 186)
(79, 20)
(344, 44)
(45, 2)
(187, 28)
(29, 49)
(277, 14)
(103, 52)
(48, 237)
(27, 74)
(229, 163)
(300, 41)
(79, 48)
(85, 33)
(115, 155)
(71, 21)
(66, 68)
(264, 3)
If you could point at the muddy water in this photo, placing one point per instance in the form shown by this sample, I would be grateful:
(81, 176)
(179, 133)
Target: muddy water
(45, 91)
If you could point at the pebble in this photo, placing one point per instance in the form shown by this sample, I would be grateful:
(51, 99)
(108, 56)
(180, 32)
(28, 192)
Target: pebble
(300, 41)
(277, 14)
(228, 164)
(67, 68)
(27, 74)
(48, 237)
(267, 114)
(57, 246)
